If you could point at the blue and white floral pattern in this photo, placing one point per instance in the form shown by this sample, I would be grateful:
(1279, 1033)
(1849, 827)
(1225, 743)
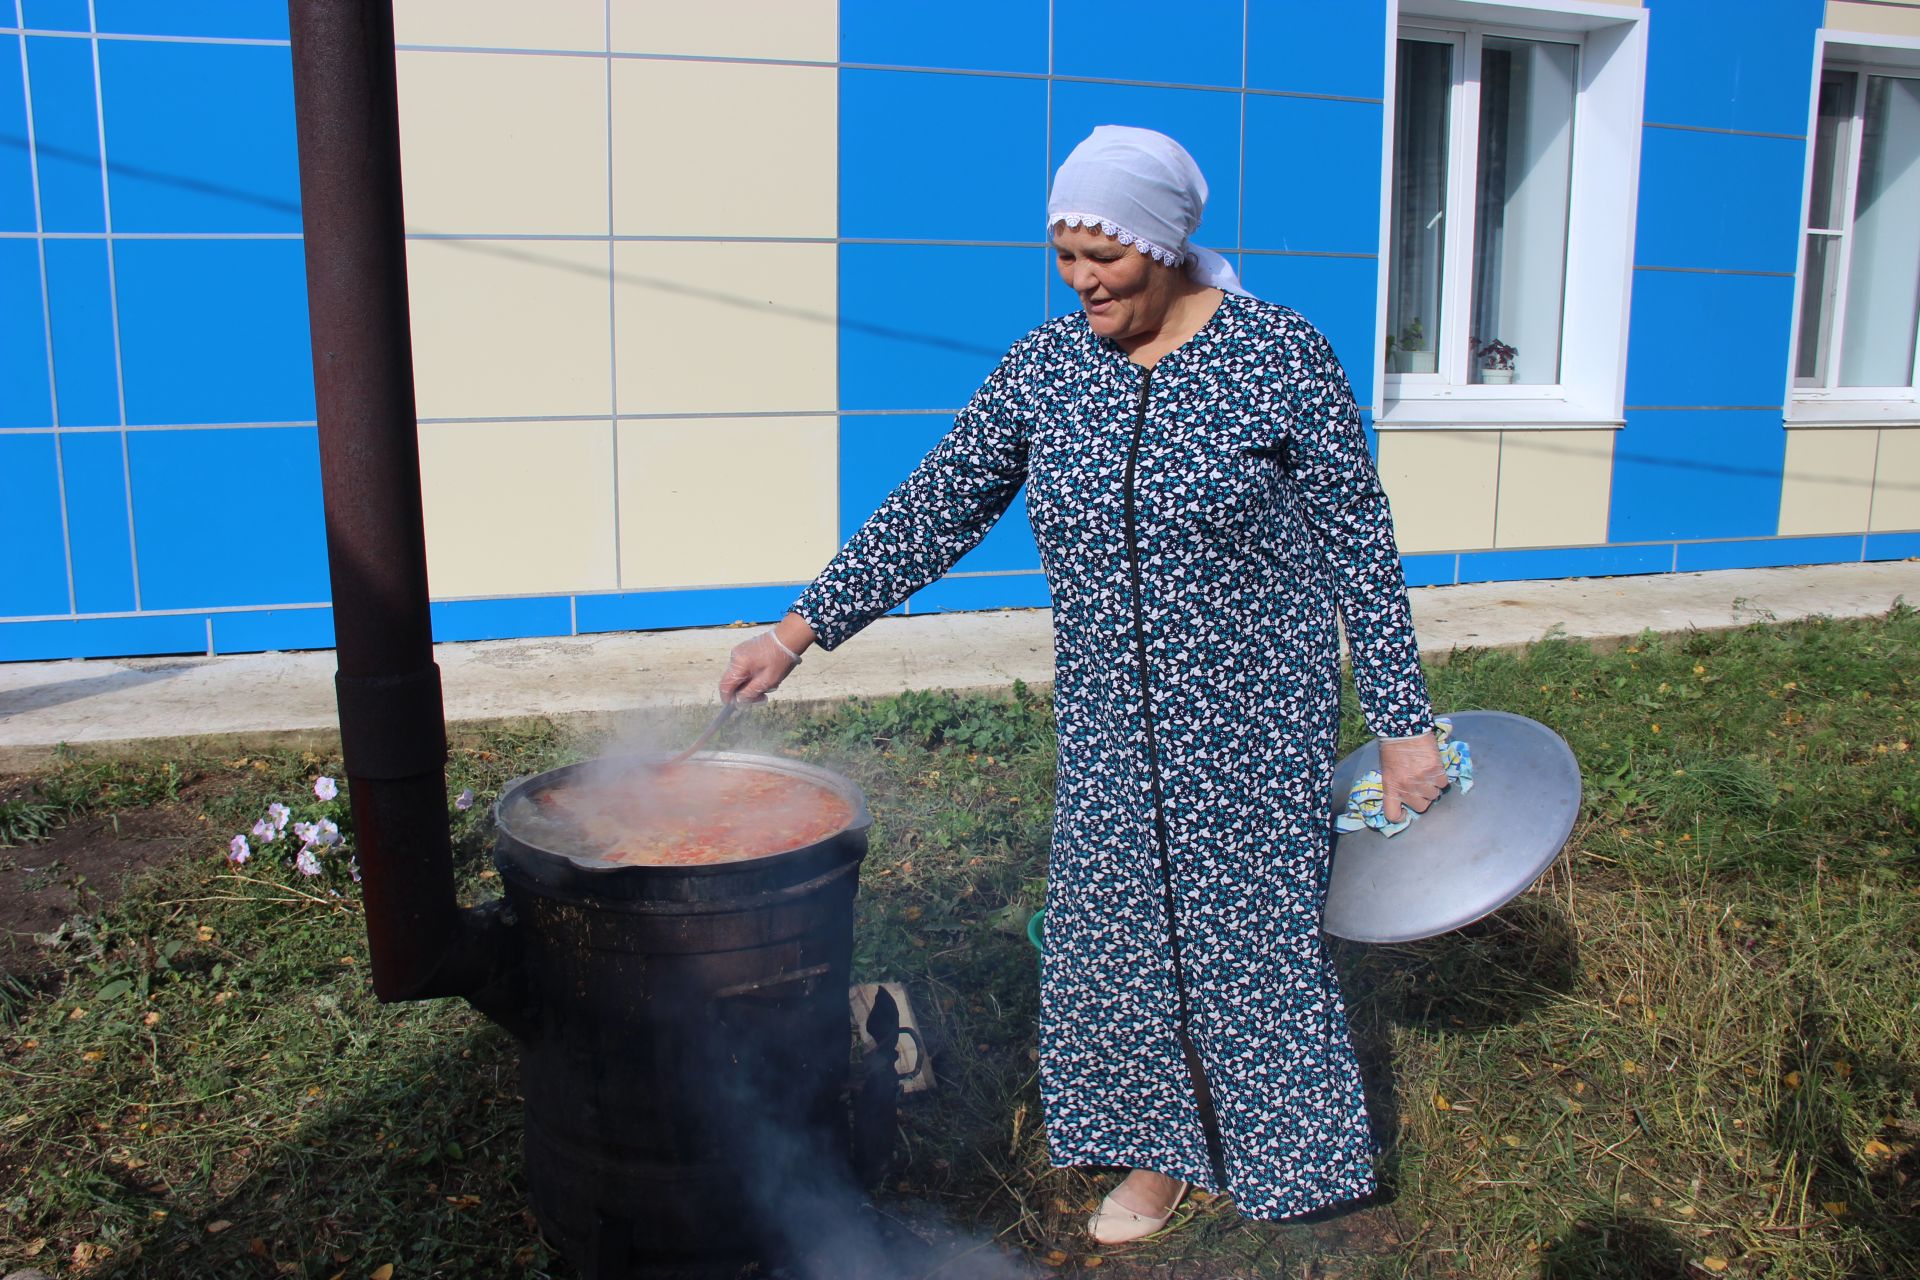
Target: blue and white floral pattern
(1201, 524)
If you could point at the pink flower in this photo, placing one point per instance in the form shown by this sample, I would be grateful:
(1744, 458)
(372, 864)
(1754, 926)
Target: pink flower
(279, 813)
(306, 831)
(324, 787)
(237, 850)
(325, 832)
(306, 862)
(464, 801)
(265, 832)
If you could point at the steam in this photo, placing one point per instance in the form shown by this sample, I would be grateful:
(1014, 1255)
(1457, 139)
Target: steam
(640, 808)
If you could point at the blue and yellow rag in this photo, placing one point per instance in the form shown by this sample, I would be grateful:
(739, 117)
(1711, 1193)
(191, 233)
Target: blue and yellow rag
(1367, 801)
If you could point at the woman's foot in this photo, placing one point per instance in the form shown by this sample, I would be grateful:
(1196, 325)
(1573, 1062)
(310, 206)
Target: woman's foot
(1137, 1208)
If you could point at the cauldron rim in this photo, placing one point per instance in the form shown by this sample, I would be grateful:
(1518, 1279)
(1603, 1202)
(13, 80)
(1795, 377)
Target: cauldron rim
(840, 785)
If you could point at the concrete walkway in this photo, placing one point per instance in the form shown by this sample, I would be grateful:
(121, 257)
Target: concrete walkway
(126, 701)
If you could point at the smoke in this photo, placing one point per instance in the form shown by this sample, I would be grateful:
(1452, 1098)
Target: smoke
(814, 1222)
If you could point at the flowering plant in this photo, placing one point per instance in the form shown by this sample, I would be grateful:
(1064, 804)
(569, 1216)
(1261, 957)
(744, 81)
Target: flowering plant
(314, 839)
(323, 849)
(1495, 354)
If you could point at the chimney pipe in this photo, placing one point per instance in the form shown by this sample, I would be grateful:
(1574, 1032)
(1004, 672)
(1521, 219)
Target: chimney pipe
(392, 722)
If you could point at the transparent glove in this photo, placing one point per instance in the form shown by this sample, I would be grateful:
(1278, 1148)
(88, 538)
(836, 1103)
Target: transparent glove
(755, 669)
(1412, 773)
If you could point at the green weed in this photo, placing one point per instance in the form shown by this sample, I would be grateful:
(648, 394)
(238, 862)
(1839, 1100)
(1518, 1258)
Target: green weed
(1691, 1046)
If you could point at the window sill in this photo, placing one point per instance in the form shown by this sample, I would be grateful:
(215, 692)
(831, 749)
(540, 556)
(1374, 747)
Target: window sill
(1838, 412)
(1471, 408)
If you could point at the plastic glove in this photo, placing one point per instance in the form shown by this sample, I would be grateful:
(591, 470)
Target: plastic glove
(1412, 773)
(755, 669)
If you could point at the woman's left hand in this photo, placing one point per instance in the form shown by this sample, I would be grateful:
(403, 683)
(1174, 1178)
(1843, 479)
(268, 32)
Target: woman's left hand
(1411, 773)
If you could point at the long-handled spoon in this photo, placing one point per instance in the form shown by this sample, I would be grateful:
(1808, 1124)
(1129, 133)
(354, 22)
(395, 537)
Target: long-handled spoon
(706, 735)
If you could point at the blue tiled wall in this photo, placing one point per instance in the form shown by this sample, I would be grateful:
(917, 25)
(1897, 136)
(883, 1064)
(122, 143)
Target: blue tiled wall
(1723, 158)
(235, 535)
(158, 487)
(66, 131)
(23, 339)
(95, 473)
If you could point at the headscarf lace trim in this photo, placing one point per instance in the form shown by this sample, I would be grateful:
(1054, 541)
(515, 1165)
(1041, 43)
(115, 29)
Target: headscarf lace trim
(1166, 257)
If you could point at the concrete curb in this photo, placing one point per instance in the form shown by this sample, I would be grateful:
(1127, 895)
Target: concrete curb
(583, 682)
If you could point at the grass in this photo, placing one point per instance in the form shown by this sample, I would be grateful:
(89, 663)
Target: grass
(77, 785)
(1691, 1050)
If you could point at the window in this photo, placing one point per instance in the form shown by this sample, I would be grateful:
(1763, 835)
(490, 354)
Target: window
(1510, 171)
(1859, 315)
(1483, 157)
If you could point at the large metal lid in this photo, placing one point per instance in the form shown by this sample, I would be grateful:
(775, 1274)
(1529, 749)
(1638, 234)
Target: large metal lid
(1468, 855)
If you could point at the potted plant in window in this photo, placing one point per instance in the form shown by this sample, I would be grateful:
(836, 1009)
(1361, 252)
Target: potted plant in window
(1414, 356)
(1496, 363)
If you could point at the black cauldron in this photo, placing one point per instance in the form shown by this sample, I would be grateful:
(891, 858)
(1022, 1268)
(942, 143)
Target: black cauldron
(685, 1035)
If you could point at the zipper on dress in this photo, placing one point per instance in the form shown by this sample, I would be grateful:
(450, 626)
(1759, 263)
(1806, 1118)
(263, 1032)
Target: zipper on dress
(1202, 1095)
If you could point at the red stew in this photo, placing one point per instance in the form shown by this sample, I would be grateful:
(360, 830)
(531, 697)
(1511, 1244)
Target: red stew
(691, 814)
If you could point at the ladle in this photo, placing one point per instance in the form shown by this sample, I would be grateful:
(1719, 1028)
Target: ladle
(713, 726)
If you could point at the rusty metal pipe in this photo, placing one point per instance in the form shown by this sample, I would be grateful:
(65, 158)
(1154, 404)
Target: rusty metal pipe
(392, 721)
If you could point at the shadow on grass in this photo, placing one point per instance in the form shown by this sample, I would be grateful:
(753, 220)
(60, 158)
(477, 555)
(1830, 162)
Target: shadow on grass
(1879, 1197)
(1609, 1245)
(419, 1167)
(1491, 973)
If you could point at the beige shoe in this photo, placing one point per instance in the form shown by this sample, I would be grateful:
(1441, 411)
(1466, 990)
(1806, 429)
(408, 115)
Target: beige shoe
(1114, 1223)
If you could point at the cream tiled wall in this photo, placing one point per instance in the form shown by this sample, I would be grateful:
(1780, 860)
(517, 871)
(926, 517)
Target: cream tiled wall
(1554, 487)
(502, 24)
(801, 30)
(503, 144)
(1896, 481)
(1851, 481)
(730, 328)
(1887, 17)
(751, 150)
(509, 328)
(1469, 490)
(634, 201)
(518, 508)
(1827, 486)
(1442, 486)
(709, 501)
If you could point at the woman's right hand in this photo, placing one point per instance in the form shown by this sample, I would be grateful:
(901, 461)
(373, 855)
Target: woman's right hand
(757, 666)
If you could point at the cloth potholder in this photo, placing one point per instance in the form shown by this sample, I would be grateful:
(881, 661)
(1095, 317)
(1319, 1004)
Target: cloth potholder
(1367, 801)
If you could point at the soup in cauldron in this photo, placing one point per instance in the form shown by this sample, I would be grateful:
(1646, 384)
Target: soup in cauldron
(688, 815)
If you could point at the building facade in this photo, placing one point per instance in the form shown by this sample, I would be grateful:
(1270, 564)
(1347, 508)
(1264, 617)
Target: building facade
(1621, 289)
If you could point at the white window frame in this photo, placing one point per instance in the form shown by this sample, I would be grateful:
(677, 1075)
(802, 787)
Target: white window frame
(1865, 55)
(1601, 217)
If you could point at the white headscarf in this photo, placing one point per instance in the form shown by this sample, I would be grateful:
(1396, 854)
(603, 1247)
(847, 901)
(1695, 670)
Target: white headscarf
(1143, 189)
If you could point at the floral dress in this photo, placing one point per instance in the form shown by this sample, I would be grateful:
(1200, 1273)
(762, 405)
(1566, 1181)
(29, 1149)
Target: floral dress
(1200, 522)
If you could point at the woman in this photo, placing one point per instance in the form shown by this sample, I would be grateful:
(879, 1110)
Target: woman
(1203, 500)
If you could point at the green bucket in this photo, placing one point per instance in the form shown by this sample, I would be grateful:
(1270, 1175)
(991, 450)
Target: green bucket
(1037, 931)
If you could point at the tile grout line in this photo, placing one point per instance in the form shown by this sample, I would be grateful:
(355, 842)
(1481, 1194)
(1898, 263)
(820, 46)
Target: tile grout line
(613, 310)
(1046, 169)
(1499, 457)
(140, 37)
(839, 265)
(113, 299)
(1873, 485)
(46, 316)
(1240, 202)
(157, 235)
(522, 237)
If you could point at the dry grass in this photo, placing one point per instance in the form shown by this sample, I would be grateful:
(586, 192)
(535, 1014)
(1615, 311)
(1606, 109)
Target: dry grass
(1692, 1050)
